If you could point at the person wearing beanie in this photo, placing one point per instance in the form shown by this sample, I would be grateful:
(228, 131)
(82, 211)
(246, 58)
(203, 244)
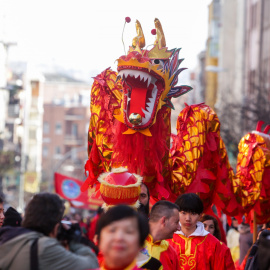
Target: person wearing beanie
(12, 218)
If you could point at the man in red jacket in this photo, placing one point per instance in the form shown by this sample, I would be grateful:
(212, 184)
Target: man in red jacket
(196, 248)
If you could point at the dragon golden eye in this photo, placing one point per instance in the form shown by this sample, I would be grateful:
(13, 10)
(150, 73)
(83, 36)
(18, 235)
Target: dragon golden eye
(156, 61)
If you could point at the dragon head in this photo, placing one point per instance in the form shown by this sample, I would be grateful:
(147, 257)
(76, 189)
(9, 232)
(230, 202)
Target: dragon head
(149, 78)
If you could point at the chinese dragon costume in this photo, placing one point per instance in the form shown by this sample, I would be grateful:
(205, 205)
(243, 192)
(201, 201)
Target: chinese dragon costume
(130, 126)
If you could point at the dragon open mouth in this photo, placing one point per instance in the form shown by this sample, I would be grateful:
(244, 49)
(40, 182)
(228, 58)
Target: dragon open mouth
(142, 92)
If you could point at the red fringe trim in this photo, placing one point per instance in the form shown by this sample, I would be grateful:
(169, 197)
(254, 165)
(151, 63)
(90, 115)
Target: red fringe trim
(141, 154)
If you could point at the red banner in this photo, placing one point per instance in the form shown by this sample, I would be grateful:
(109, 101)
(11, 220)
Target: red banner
(69, 189)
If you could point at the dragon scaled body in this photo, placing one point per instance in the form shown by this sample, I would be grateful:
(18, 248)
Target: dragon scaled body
(130, 127)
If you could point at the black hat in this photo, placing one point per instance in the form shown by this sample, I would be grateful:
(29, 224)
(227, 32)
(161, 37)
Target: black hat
(12, 218)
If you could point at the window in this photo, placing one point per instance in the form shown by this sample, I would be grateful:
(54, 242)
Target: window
(46, 140)
(45, 151)
(58, 128)
(57, 150)
(35, 88)
(74, 129)
(46, 128)
(32, 134)
(253, 16)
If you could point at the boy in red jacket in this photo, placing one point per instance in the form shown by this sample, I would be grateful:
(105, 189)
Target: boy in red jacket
(197, 248)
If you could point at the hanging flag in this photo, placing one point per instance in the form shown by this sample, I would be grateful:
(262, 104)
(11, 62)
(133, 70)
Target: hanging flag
(69, 189)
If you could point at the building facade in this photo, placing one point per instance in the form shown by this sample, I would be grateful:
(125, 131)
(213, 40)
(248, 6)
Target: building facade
(65, 128)
(212, 53)
(257, 62)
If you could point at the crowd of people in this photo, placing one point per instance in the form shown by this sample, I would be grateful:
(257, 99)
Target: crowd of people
(167, 236)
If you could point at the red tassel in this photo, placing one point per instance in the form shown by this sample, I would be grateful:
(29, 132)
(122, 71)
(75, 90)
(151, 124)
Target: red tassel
(141, 154)
(229, 220)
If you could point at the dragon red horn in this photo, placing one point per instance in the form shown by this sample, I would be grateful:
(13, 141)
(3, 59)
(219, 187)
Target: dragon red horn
(259, 125)
(266, 130)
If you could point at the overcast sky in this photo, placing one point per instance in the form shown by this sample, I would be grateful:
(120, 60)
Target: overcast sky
(87, 34)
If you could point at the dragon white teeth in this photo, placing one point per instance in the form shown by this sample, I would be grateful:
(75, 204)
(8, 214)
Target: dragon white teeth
(137, 74)
(152, 100)
(121, 73)
(147, 114)
(149, 106)
(154, 91)
(128, 99)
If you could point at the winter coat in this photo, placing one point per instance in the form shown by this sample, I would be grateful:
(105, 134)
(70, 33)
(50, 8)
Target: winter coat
(15, 244)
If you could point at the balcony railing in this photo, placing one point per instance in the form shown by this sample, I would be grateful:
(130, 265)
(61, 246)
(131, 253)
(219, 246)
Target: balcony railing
(72, 117)
(73, 140)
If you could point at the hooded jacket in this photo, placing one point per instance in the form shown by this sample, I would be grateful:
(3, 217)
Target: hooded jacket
(201, 251)
(15, 244)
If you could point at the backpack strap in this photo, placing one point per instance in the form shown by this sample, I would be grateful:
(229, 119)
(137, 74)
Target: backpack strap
(34, 255)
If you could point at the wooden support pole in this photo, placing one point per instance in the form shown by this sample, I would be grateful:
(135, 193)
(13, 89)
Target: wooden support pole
(254, 227)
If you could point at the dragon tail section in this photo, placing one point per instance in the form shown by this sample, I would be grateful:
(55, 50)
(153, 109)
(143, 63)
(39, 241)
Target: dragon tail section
(252, 182)
(199, 161)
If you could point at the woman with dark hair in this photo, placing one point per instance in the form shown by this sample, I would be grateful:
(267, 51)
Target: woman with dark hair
(121, 233)
(211, 225)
